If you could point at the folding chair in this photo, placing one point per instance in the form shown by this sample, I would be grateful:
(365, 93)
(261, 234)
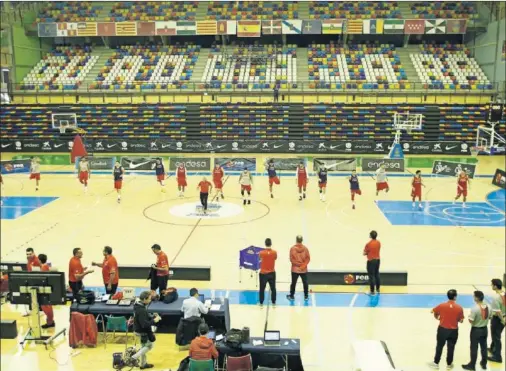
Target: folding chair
(243, 363)
(201, 365)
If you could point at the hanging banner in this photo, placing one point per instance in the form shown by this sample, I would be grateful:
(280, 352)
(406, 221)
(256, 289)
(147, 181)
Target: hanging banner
(448, 168)
(15, 166)
(391, 165)
(236, 163)
(335, 164)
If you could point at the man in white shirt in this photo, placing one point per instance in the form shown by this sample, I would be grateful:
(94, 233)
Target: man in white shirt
(193, 307)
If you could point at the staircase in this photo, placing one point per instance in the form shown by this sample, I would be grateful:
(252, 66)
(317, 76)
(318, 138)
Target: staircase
(201, 12)
(302, 72)
(198, 70)
(296, 119)
(405, 8)
(193, 130)
(106, 10)
(408, 64)
(303, 10)
(104, 53)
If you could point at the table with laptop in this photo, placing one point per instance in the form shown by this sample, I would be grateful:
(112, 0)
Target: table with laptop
(218, 317)
(270, 351)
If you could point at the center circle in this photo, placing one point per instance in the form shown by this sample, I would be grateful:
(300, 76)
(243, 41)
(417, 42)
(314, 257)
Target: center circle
(216, 210)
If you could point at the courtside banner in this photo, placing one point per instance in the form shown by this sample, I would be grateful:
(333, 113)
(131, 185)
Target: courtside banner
(355, 278)
(138, 163)
(15, 166)
(285, 163)
(98, 163)
(499, 178)
(335, 164)
(392, 165)
(236, 164)
(191, 163)
(448, 168)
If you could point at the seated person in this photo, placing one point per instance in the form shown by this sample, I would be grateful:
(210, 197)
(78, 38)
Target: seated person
(202, 348)
(193, 307)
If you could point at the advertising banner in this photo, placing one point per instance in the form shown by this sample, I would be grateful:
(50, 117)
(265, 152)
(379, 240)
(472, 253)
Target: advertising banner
(138, 163)
(355, 278)
(392, 165)
(15, 166)
(99, 163)
(499, 179)
(448, 168)
(191, 163)
(285, 163)
(236, 164)
(335, 164)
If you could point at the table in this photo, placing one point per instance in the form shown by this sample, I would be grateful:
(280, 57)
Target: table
(170, 313)
(286, 355)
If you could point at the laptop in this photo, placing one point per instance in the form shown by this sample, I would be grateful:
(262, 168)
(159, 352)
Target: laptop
(128, 293)
(272, 338)
(211, 335)
(201, 298)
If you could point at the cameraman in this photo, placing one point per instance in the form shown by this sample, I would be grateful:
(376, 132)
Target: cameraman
(142, 328)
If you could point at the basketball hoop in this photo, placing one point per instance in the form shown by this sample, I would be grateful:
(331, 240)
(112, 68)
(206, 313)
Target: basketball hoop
(476, 150)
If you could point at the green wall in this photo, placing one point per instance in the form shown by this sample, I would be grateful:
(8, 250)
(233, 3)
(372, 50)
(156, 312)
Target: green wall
(28, 50)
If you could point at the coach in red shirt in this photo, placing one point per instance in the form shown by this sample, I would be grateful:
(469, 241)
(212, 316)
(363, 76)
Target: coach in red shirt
(110, 271)
(372, 251)
(268, 258)
(449, 315)
(31, 260)
(162, 269)
(77, 272)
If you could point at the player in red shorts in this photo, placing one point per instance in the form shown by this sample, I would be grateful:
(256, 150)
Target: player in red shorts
(246, 181)
(273, 176)
(302, 180)
(181, 179)
(35, 171)
(160, 173)
(118, 172)
(462, 183)
(84, 171)
(381, 180)
(354, 187)
(218, 181)
(416, 188)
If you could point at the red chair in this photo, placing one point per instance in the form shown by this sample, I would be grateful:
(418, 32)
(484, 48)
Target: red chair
(243, 363)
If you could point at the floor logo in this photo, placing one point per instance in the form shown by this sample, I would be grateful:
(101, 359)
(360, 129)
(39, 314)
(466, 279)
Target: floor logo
(194, 210)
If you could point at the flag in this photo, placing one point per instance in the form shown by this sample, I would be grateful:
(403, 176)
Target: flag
(393, 26)
(414, 26)
(207, 28)
(227, 27)
(48, 30)
(435, 26)
(313, 27)
(106, 29)
(145, 28)
(126, 28)
(165, 28)
(271, 27)
(186, 28)
(333, 26)
(292, 26)
(456, 26)
(67, 29)
(87, 29)
(373, 26)
(248, 28)
(354, 26)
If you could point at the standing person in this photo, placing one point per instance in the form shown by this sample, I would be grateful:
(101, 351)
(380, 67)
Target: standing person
(273, 176)
(47, 309)
(160, 173)
(110, 271)
(372, 251)
(416, 188)
(161, 267)
(381, 180)
(35, 171)
(498, 320)
(84, 172)
(268, 258)
(143, 322)
(322, 182)
(118, 172)
(300, 258)
(218, 181)
(77, 272)
(31, 260)
(479, 318)
(354, 187)
(276, 93)
(181, 179)
(205, 187)
(449, 314)
(462, 184)
(246, 181)
(301, 180)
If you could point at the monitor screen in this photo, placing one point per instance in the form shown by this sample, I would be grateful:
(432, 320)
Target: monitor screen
(211, 334)
(271, 335)
(201, 298)
(47, 281)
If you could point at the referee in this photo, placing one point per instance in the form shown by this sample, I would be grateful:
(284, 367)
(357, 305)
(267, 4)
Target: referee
(372, 251)
(205, 187)
(449, 315)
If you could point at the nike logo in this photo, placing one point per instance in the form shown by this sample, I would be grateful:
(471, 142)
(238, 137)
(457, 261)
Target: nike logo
(6, 145)
(165, 145)
(111, 145)
(277, 146)
(221, 146)
(333, 147)
(448, 148)
(135, 166)
(58, 145)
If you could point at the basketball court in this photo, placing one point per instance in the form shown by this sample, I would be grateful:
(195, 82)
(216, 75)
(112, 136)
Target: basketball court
(441, 245)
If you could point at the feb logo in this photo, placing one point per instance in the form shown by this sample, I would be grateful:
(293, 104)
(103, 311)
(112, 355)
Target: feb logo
(8, 167)
(349, 279)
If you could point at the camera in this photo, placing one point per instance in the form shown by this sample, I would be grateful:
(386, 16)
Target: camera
(122, 360)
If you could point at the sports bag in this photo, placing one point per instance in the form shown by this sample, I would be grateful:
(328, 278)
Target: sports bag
(234, 338)
(170, 295)
(85, 297)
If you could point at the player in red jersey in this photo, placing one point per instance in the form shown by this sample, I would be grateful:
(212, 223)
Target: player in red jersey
(35, 171)
(218, 181)
(462, 183)
(416, 188)
(84, 171)
(181, 179)
(302, 180)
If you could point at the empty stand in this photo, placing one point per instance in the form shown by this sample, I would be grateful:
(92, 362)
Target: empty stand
(63, 11)
(153, 11)
(364, 9)
(253, 10)
(449, 67)
(443, 9)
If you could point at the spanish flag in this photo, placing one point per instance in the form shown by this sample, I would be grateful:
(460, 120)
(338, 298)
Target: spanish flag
(248, 28)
